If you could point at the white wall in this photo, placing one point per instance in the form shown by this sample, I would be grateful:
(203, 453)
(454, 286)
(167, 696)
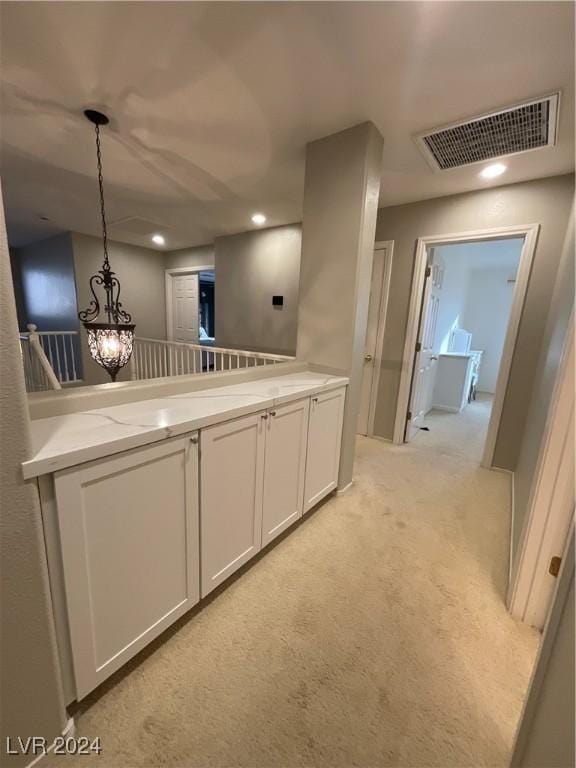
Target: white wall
(477, 297)
(454, 288)
(486, 312)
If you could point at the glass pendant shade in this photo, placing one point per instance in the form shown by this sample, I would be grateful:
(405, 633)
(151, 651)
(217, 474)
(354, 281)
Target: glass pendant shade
(111, 342)
(110, 345)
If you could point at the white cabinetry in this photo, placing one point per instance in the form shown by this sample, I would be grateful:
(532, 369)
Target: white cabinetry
(232, 466)
(284, 468)
(324, 438)
(129, 541)
(134, 539)
(455, 375)
(259, 473)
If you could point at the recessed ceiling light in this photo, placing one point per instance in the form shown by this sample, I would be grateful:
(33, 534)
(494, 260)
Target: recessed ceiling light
(491, 171)
(158, 239)
(259, 219)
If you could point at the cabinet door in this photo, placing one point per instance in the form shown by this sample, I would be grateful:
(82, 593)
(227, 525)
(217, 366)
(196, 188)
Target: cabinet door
(284, 467)
(129, 534)
(231, 480)
(324, 438)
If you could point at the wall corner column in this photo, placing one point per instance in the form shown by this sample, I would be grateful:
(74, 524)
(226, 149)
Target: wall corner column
(341, 190)
(31, 699)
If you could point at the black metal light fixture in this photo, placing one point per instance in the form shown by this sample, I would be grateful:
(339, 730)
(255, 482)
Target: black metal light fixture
(110, 342)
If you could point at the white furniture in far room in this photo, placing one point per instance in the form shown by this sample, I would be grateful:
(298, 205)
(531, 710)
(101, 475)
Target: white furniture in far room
(455, 376)
(460, 341)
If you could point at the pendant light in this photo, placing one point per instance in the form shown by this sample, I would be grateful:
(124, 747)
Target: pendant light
(110, 342)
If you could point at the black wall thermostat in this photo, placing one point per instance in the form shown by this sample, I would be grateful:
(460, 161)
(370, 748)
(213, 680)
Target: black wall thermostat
(277, 301)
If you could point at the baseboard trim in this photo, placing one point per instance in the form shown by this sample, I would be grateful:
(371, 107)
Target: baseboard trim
(447, 408)
(69, 730)
(379, 437)
(501, 469)
(511, 550)
(346, 488)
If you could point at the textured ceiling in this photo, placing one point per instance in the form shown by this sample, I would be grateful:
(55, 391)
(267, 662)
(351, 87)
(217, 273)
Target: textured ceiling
(212, 104)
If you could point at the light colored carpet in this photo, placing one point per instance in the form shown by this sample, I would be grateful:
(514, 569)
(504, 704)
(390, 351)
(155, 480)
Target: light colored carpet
(375, 634)
(458, 434)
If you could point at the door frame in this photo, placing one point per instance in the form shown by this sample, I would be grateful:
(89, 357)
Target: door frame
(168, 275)
(530, 234)
(550, 509)
(381, 329)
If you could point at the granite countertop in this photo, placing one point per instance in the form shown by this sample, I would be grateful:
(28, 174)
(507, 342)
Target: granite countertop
(64, 441)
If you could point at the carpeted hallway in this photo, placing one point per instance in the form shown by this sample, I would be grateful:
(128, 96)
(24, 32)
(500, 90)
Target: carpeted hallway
(375, 634)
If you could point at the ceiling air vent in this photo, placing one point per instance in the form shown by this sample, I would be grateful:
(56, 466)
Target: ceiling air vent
(522, 128)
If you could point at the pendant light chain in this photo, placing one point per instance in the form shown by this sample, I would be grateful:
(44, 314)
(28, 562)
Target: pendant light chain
(102, 209)
(111, 339)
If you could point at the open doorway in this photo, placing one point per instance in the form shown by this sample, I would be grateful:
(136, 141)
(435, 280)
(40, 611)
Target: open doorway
(206, 307)
(466, 303)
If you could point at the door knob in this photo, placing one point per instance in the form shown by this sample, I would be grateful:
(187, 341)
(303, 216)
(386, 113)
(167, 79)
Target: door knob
(368, 357)
(194, 440)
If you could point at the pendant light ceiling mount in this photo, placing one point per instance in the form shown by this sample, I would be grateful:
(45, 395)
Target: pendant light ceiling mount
(110, 341)
(96, 117)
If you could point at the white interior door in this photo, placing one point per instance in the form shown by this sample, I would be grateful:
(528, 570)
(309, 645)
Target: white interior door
(185, 308)
(425, 359)
(376, 319)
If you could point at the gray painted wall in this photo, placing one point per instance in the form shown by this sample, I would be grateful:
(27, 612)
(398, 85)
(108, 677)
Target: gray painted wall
(341, 189)
(544, 201)
(45, 272)
(250, 268)
(141, 273)
(559, 312)
(201, 256)
(31, 699)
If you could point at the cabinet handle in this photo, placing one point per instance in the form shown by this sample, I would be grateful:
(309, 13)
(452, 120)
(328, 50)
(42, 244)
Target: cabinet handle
(272, 413)
(314, 399)
(194, 439)
(264, 416)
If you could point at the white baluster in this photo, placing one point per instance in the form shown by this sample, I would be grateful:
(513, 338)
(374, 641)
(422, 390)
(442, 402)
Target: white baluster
(73, 356)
